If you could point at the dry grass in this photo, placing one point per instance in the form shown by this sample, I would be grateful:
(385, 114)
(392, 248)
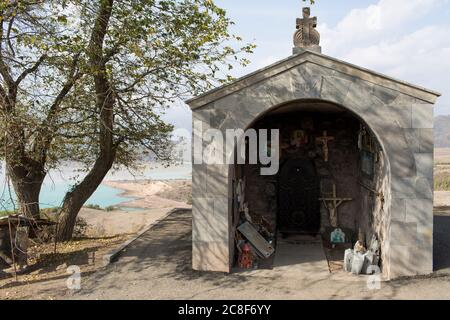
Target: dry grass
(45, 276)
(442, 181)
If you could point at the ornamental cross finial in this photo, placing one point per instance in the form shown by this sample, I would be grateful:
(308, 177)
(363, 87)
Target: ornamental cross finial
(306, 35)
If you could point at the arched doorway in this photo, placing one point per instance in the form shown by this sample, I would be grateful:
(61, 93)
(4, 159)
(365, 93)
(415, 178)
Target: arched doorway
(328, 157)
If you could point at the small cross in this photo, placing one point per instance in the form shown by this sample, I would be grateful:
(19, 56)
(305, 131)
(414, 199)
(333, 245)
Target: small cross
(331, 204)
(324, 141)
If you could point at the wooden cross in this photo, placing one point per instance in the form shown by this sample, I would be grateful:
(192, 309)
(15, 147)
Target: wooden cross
(332, 203)
(324, 141)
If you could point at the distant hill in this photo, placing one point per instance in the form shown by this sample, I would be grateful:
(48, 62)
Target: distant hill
(442, 132)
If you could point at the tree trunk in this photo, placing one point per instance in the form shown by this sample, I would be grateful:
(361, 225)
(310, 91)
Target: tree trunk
(105, 102)
(75, 199)
(27, 183)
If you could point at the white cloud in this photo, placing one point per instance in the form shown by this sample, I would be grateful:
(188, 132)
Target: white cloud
(375, 38)
(373, 22)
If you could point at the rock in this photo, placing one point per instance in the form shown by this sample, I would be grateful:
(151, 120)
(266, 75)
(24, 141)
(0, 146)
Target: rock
(357, 263)
(348, 260)
(61, 267)
(368, 261)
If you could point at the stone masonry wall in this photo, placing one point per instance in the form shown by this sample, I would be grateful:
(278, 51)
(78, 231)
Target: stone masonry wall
(402, 123)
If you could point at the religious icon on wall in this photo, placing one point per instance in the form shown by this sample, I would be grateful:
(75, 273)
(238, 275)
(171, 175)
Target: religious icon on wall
(367, 164)
(299, 138)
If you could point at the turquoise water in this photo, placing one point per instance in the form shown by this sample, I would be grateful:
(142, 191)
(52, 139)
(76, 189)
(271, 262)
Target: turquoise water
(52, 196)
(57, 184)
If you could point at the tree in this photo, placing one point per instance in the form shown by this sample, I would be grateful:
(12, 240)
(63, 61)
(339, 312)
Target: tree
(122, 62)
(36, 75)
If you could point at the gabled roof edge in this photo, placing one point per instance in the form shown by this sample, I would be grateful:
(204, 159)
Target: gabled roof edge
(282, 65)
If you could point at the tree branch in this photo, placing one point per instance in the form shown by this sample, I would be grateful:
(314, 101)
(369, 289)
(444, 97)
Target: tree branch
(28, 71)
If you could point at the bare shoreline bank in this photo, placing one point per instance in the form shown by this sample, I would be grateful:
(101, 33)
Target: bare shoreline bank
(153, 198)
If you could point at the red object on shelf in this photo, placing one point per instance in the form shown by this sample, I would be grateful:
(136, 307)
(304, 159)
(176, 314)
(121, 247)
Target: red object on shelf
(245, 260)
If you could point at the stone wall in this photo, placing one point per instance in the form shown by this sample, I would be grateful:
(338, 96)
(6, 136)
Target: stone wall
(400, 116)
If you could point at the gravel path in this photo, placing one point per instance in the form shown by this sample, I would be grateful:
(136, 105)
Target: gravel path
(158, 266)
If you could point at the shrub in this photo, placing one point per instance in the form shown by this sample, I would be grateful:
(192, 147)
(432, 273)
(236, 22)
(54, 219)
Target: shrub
(81, 228)
(93, 206)
(442, 181)
(189, 199)
(110, 208)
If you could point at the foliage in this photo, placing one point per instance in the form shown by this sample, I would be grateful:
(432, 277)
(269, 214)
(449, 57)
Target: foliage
(156, 52)
(88, 81)
(5, 213)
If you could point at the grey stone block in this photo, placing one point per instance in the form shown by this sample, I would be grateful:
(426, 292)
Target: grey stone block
(423, 260)
(210, 256)
(217, 180)
(424, 164)
(198, 179)
(402, 261)
(422, 116)
(419, 211)
(398, 209)
(403, 233)
(360, 98)
(403, 188)
(425, 238)
(401, 161)
(304, 82)
(424, 188)
(412, 137)
(386, 95)
(208, 223)
(402, 109)
(426, 140)
(335, 89)
(403, 115)
(203, 114)
(420, 140)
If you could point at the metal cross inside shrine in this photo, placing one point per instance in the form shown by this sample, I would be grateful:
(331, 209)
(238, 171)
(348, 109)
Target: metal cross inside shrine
(332, 203)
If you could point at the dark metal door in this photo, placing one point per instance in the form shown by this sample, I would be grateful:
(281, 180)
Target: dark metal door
(299, 193)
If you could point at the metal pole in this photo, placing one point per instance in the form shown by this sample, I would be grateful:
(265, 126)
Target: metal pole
(12, 248)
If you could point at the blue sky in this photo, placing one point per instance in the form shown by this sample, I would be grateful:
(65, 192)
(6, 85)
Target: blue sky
(406, 39)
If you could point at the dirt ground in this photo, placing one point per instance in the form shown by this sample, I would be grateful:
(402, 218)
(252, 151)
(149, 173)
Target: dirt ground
(106, 230)
(158, 266)
(442, 155)
(46, 277)
(154, 194)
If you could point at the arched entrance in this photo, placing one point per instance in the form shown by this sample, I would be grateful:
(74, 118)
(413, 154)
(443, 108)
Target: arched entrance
(329, 158)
